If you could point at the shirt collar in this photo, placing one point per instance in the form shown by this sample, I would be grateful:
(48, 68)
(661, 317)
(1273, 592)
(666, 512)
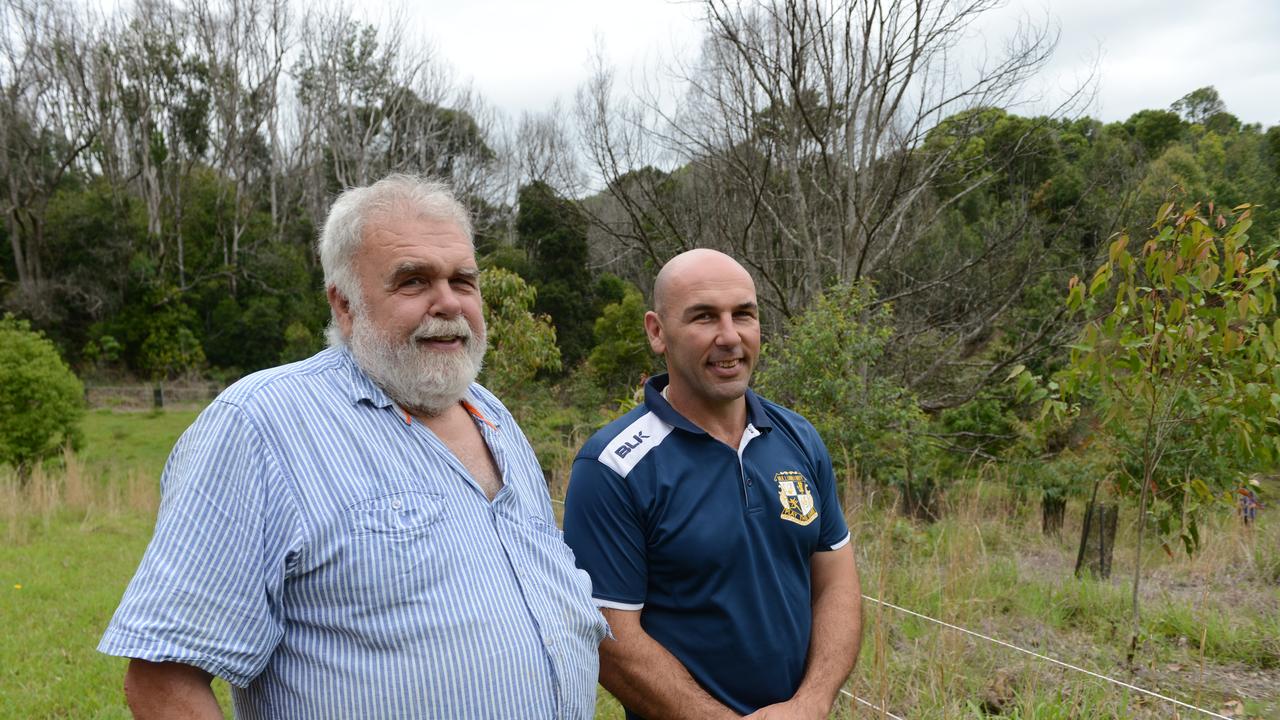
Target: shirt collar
(659, 406)
(361, 387)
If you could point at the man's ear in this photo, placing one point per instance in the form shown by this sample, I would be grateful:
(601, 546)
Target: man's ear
(341, 307)
(653, 328)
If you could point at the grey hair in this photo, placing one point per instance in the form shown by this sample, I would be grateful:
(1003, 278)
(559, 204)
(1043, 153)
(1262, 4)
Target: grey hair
(344, 228)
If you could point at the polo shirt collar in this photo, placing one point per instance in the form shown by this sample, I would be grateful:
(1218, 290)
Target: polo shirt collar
(659, 406)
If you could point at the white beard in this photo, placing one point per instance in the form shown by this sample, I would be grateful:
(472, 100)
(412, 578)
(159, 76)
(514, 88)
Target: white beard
(415, 377)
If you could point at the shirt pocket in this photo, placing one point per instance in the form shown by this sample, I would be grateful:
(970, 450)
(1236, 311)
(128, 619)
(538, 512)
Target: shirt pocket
(394, 549)
(395, 516)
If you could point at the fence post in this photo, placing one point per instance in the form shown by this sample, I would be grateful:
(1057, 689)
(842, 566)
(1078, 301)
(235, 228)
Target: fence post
(158, 396)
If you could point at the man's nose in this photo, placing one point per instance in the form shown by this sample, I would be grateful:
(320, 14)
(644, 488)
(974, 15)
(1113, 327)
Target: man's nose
(445, 302)
(727, 333)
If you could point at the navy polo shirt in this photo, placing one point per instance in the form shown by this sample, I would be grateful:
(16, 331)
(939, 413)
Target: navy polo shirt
(713, 544)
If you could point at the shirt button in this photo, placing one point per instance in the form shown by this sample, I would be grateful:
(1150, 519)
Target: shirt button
(548, 642)
(395, 504)
(748, 482)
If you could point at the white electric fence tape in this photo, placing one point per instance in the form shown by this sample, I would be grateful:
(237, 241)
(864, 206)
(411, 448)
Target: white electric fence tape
(1055, 661)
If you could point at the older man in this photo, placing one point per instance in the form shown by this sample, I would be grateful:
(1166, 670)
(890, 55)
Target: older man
(366, 533)
(708, 520)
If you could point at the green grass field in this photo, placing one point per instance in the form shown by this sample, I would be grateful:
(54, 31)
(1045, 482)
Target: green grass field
(139, 441)
(61, 589)
(1211, 624)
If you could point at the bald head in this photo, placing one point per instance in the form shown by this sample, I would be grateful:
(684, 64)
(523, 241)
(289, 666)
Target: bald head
(691, 269)
(705, 322)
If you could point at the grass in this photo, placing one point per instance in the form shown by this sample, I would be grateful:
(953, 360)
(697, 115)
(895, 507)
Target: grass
(60, 590)
(119, 442)
(73, 538)
(1211, 624)
(1209, 632)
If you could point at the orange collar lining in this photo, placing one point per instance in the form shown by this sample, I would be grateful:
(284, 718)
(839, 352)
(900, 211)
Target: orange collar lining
(475, 413)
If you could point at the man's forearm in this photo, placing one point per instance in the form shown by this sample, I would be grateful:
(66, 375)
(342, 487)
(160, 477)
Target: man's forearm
(836, 636)
(156, 691)
(647, 678)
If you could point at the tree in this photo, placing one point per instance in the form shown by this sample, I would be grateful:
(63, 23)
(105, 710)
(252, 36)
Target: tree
(553, 233)
(520, 343)
(1199, 105)
(45, 127)
(1181, 358)
(621, 358)
(370, 104)
(795, 142)
(823, 368)
(245, 41)
(41, 400)
(1154, 129)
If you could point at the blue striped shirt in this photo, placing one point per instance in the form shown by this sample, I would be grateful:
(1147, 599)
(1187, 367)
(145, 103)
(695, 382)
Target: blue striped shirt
(330, 558)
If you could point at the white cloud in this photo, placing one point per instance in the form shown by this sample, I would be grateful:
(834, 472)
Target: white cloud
(522, 55)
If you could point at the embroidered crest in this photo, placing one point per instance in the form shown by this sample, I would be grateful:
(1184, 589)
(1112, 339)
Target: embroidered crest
(797, 501)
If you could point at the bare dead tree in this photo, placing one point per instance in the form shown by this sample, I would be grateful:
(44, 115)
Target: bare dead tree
(373, 102)
(45, 129)
(245, 42)
(800, 142)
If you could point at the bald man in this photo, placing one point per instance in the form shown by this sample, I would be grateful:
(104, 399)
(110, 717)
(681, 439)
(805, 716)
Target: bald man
(708, 521)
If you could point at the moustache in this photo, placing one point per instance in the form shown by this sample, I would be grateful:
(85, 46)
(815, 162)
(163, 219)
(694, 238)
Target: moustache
(441, 328)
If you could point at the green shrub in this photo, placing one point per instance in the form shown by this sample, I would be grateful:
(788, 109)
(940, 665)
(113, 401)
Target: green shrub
(825, 369)
(622, 356)
(41, 400)
(520, 343)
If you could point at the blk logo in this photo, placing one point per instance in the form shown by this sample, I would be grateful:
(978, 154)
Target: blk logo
(629, 445)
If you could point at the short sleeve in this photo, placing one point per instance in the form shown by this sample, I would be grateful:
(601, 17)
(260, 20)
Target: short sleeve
(207, 592)
(834, 531)
(602, 526)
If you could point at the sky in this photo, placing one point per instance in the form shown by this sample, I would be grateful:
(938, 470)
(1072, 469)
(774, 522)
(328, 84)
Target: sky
(522, 54)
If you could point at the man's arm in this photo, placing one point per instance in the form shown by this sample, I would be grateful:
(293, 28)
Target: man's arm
(169, 690)
(647, 678)
(834, 640)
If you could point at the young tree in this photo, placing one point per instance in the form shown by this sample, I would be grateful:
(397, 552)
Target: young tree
(520, 343)
(621, 358)
(1180, 355)
(823, 368)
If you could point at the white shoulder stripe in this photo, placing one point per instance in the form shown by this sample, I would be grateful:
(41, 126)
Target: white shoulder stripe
(632, 444)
